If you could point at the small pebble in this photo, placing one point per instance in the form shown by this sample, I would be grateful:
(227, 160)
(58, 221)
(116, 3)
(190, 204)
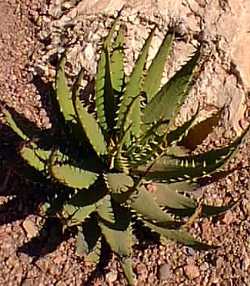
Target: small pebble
(30, 228)
(228, 217)
(204, 266)
(247, 208)
(111, 276)
(165, 272)
(190, 251)
(192, 271)
(246, 263)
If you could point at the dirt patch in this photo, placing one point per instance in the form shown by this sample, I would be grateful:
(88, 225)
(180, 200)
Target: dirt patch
(165, 265)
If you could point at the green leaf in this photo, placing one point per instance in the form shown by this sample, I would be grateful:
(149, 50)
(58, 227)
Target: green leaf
(13, 125)
(108, 41)
(105, 210)
(183, 187)
(105, 101)
(199, 132)
(117, 60)
(76, 215)
(145, 154)
(178, 235)
(210, 158)
(166, 195)
(118, 182)
(63, 93)
(104, 94)
(153, 78)
(88, 242)
(25, 129)
(119, 238)
(77, 209)
(166, 103)
(72, 176)
(89, 126)
(118, 235)
(142, 155)
(120, 162)
(151, 134)
(94, 255)
(81, 244)
(173, 168)
(177, 151)
(175, 171)
(120, 241)
(126, 126)
(144, 204)
(215, 210)
(132, 90)
(126, 263)
(35, 157)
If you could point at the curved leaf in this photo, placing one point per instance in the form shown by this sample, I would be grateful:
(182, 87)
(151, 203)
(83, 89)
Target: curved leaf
(77, 209)
(177, 151)
(181, 168)
(132, 89)
(72, 176)
(126, 263)
(63, 93)
(104, 94)
(105, 101)
(89, 126)
(88, 242)
(75, 215)
(108, 41)
(119, 238)
(168, 100)
(117, 69)
(118, 182)
(151, 134)
(81, 244)
(151, 145)
(166, 196)
(126, 125)
(173, 171)
(153, 78)
(178, 235)
(94, 255)
(13, 125)
(23, 127)
(144, 204)
(121, 163)
(120, 241)
(69, 175)
(35, 157)
(105, 210)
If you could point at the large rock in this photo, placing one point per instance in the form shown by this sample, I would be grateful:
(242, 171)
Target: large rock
(225, 28)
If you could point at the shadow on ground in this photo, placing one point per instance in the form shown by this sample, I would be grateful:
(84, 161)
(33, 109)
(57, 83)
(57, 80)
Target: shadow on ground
(28, 190)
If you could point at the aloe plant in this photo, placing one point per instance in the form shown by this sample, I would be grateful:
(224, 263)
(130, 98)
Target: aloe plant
(127, 161)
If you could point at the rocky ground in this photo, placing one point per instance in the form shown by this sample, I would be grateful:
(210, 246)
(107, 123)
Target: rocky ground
(31, 34)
